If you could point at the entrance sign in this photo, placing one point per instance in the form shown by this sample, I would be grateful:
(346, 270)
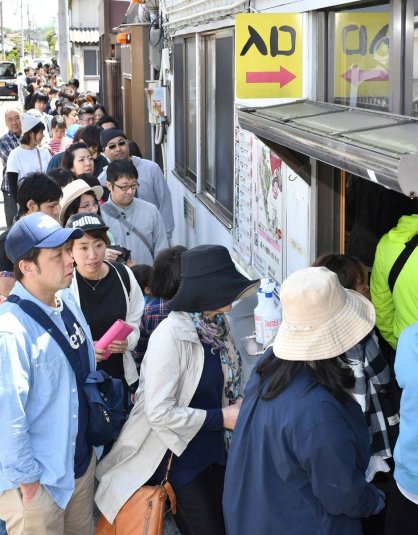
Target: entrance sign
(268, 55)
(361, 54)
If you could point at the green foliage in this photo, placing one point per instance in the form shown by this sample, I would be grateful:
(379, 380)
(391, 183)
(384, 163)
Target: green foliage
(13, 55)
(51, 38)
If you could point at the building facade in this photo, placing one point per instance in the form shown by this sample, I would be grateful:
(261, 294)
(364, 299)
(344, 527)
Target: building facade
(285, 129)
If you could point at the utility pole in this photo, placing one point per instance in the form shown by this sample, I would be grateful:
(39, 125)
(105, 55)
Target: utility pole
(29, 28)
(22, 43)
(64, 40)
(1, 30)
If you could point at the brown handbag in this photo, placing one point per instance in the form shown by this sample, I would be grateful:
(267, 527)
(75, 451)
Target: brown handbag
(144, 512)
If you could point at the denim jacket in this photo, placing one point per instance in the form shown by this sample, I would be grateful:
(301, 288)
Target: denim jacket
(38, 400)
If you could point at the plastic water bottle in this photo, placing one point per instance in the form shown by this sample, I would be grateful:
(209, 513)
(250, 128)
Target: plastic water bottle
(258, 317)
(272, 316)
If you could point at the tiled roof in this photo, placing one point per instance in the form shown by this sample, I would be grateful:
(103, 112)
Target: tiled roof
(84, 35)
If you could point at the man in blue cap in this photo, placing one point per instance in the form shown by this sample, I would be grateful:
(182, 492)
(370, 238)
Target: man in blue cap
(46, 464)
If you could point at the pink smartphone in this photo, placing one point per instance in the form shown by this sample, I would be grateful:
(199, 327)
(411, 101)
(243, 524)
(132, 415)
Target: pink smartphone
(119, 331)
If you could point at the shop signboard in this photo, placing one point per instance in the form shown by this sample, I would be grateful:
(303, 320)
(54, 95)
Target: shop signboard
(268, 55)
(361, 54)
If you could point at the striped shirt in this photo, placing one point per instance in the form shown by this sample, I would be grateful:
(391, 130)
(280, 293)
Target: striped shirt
(7, 143)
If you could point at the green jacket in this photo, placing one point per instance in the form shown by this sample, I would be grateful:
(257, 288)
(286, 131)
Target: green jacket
(395, 311)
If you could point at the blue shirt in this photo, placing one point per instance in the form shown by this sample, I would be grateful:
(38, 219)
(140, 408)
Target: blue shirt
(38, 400)
(406, 449)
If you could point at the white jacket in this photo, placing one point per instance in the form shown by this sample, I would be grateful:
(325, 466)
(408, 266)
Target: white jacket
(134, 310)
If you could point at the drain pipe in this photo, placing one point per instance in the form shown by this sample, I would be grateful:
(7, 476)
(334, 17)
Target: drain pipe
(153, 157)
(153, 11)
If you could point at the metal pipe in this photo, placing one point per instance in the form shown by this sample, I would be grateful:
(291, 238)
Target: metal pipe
(153, 152)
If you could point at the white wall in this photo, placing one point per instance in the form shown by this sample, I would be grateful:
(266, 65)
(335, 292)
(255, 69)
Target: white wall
(85, 13)
(86, 84)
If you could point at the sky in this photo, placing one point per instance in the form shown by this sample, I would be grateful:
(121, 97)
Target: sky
(41, 13)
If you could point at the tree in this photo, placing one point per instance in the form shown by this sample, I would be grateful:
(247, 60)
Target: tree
(51, 38)
(13, 55)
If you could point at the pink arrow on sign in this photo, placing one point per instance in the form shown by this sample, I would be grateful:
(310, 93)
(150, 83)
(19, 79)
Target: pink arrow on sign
(355, 75)
(282, 77)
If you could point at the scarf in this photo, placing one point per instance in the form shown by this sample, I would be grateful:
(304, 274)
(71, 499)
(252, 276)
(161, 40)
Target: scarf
(216, 333)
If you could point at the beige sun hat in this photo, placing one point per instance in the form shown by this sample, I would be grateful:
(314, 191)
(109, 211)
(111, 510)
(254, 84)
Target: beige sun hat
(75, 189)
(321, 319)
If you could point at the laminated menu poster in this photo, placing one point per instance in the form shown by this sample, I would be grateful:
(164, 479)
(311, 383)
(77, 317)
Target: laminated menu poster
(245, 169)
(268, 220)
(258, 229)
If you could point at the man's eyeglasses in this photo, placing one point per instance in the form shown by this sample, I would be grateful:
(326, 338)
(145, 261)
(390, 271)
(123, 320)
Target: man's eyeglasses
(120, 143)
(126, 188)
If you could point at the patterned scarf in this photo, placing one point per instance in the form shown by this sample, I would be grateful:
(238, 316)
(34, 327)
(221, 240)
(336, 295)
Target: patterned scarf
(216, 333)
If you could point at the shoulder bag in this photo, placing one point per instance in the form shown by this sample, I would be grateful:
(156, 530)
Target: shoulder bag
(113, 212)
(105, 395)
(144, 512)
(401, 261)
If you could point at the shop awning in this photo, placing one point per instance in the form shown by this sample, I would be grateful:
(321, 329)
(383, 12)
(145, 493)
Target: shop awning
(381, 147)
(84, 36)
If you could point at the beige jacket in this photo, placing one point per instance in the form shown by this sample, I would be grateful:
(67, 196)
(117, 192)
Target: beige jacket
(161, 418)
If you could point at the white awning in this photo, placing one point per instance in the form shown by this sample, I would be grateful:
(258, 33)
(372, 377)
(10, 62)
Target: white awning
(84, 35)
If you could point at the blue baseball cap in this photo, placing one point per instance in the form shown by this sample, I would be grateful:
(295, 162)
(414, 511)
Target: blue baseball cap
(37, 230)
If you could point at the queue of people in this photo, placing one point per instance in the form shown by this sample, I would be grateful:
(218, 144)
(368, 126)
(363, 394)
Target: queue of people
(306, 448)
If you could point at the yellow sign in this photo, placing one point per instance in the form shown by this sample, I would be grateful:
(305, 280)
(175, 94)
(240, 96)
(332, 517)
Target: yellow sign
(361, 54)
(268, 55)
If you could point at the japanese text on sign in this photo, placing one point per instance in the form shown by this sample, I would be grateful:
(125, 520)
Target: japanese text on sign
(361, 54)
(268, 55)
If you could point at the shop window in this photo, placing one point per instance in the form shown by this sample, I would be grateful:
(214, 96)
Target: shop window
(218, 120)
(185, 110)
(91, 62)
(359, 63)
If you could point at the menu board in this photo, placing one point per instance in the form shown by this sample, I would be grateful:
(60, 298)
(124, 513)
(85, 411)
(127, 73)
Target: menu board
(258, 213)
(245, 169)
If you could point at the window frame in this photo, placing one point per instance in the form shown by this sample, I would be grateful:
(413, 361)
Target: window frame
(206, 194)
(184, 173)
(400, 53)
(97, 55)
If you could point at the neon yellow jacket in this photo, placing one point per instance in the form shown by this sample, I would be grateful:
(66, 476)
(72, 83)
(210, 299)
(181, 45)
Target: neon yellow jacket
(395, 311)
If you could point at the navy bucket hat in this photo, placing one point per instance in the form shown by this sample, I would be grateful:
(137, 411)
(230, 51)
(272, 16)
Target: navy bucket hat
(209, 280)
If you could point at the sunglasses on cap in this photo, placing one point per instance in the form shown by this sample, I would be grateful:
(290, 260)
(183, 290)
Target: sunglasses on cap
(120, 143)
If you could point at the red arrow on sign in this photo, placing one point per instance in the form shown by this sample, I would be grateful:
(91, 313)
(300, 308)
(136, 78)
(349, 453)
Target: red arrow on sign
(282, 77)
(355, 75)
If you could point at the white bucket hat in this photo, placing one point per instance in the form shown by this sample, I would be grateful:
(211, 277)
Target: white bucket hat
(28, 121)
(75, 189)
(321, 319)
